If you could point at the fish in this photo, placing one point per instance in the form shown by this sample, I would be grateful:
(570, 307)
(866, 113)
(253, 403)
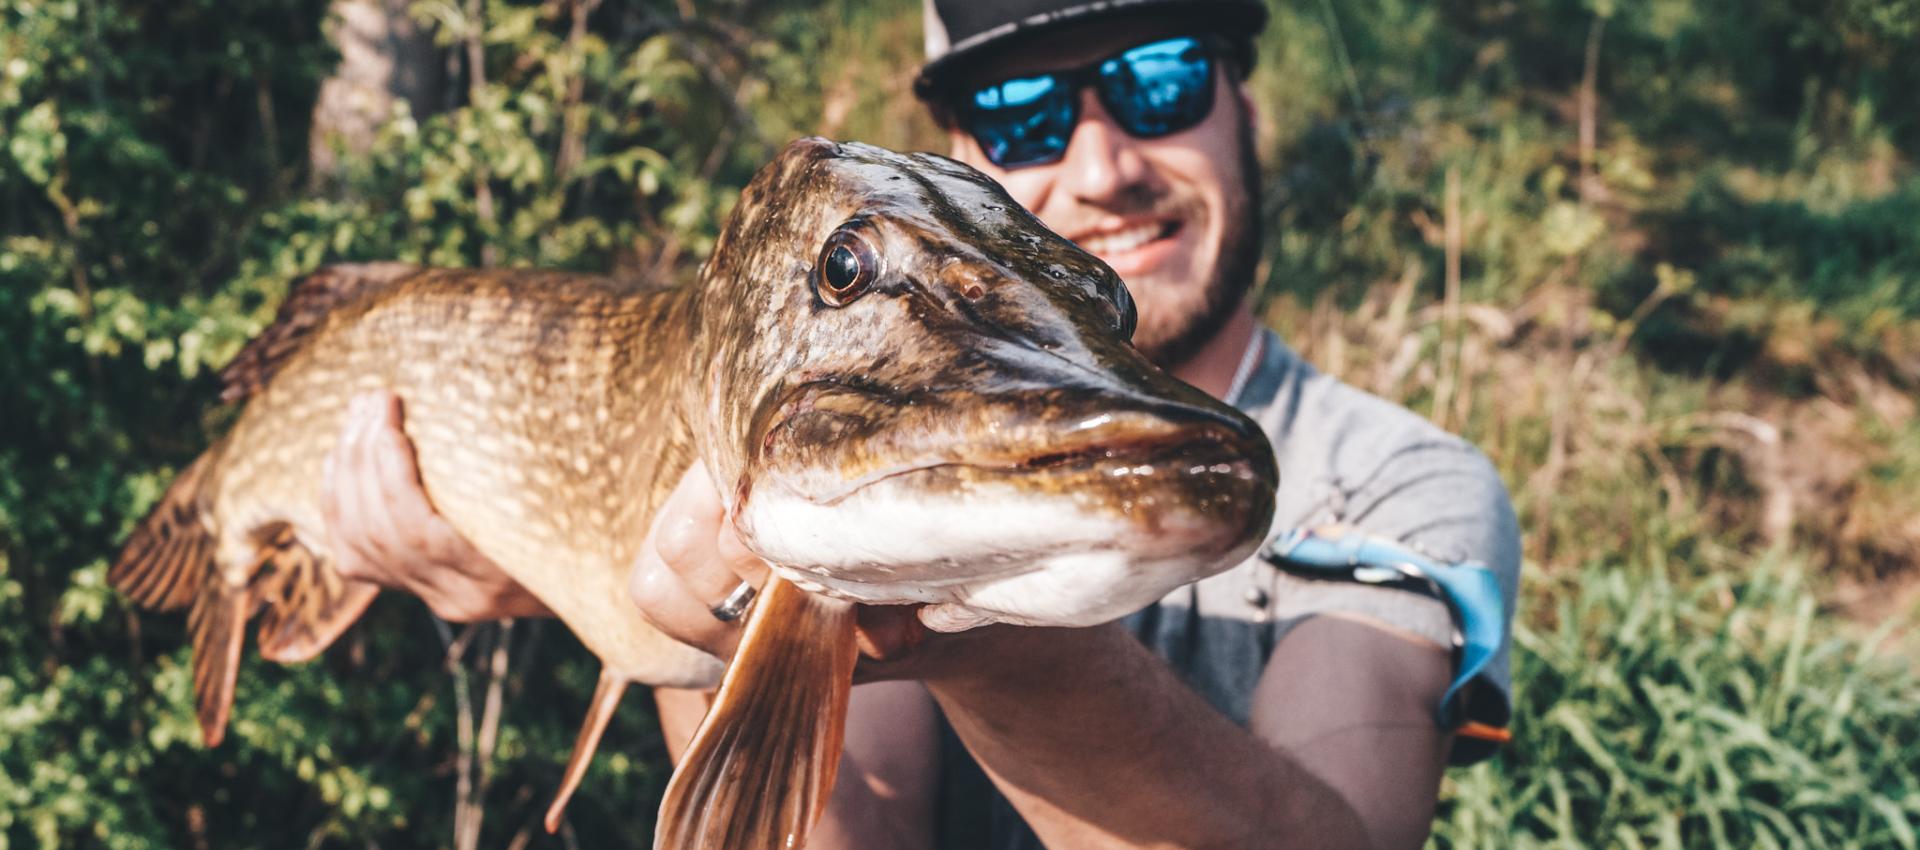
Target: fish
(908, 390)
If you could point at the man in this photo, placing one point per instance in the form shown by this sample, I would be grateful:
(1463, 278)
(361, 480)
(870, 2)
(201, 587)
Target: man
(1252, 709)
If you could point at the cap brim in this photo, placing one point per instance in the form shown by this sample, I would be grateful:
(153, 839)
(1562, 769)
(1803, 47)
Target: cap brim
(1235, 17)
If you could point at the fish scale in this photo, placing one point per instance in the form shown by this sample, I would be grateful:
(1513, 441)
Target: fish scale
(520, 466)
(963, 425)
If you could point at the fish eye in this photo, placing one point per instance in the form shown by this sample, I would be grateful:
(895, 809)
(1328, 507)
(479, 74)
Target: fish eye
(846, 267)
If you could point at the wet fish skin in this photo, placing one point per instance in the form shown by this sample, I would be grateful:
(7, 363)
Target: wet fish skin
(984, 342)
(969, 429)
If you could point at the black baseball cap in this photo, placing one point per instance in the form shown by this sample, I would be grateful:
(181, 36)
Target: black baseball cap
(961, 31)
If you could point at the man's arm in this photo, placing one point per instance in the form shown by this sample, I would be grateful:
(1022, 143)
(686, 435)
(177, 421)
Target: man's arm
(1098, 743)
(889, 773)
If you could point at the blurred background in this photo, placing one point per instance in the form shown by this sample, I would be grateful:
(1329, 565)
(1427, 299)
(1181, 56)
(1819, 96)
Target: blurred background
(1660, 258)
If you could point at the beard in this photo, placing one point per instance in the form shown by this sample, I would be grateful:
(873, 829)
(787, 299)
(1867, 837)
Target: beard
(1182, 329)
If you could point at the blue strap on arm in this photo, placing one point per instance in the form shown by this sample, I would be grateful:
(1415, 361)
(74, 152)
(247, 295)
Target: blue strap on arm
(1468, 589)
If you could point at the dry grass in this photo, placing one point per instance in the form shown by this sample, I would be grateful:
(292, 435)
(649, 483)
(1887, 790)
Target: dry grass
(1593, 440)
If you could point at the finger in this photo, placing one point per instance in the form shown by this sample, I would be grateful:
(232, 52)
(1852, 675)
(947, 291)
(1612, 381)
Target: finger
(367, 509)
(666, 602)
(403, 498)
(687, 532)
(888, 632)
(340, 501)
(683, 540)
(740, 560)
(346, 557)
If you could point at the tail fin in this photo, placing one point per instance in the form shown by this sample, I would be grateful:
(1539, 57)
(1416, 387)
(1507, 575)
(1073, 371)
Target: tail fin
(217, 622)
(170, 563)
(168, 557)
(759, 771)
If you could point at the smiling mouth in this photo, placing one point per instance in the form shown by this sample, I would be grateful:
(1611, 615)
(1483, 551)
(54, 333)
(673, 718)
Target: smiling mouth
(1114, 242)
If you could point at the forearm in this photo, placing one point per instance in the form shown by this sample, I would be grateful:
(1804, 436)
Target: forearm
(1100, 745)
(884, 795)
(864, 812)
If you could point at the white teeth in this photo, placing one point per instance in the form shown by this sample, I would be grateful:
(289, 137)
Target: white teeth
(1121, 241)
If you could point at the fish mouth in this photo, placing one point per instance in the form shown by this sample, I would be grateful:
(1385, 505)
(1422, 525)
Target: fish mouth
(1016, 512)
(1136, 454)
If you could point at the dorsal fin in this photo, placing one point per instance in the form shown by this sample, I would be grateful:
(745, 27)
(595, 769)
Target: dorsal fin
(309, 303)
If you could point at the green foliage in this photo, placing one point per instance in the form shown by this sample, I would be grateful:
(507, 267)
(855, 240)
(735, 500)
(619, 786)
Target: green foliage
(1660, 711)
(1738, 235)
(1765, 147)
(153, 213)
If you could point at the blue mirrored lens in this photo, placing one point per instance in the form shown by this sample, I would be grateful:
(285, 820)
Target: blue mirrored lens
(1022, 121)
(1151, 90)
(1159, 88)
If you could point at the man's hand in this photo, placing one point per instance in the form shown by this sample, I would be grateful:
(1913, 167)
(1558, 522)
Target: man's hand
(692, 559)
(383, 530)
(689, 562)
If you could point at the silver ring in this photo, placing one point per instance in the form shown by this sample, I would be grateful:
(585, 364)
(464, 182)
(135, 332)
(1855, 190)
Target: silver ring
(735, 605)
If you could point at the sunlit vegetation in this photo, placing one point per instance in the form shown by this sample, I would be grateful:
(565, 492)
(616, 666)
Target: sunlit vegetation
(1660, 258)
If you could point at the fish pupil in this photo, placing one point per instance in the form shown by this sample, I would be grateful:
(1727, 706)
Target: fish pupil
(843, 268)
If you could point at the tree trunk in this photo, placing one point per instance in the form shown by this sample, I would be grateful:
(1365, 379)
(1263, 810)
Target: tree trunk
(386, 57)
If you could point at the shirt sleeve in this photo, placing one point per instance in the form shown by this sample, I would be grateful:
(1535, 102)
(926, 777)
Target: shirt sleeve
(1392, 474)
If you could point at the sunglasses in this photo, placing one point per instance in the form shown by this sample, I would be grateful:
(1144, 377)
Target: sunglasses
(1152, 90)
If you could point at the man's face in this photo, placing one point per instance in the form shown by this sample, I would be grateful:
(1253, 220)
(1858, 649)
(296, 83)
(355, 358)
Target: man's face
(1175, 216)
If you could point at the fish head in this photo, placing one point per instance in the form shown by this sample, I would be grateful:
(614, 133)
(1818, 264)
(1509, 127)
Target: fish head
(918, 393)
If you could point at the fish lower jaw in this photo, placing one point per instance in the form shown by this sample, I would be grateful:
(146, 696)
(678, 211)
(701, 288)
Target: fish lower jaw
(1067, 590)
(999, 555)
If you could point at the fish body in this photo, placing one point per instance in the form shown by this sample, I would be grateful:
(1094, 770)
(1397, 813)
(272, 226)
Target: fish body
(908, 389)
(527, 401)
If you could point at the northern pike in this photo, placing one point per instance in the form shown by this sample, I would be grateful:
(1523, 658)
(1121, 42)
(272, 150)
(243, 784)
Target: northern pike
(909, 390)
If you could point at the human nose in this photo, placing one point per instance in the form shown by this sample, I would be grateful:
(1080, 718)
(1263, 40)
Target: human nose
(1102, 161)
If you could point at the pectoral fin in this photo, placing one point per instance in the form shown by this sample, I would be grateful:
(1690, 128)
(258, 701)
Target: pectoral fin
(759, 770)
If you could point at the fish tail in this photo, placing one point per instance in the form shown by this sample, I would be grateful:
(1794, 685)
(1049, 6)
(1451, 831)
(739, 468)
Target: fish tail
(168, 564)
(216, 624)
(760, 768)
(171, 562)
(606, 698)
(168, 557)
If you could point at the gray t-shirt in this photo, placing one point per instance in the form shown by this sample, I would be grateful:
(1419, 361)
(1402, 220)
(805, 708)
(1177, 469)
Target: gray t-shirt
(1345, 457)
